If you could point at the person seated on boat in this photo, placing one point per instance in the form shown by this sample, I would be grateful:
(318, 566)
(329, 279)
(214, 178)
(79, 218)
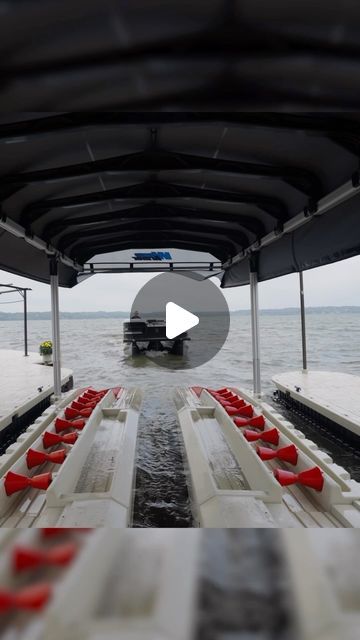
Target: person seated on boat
(135, 316)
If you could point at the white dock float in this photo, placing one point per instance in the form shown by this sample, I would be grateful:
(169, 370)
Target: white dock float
(20, 380)
(232, 487)
(138, 585)
(35, 576)
(325, 575)
(335, 396)
(93, 487)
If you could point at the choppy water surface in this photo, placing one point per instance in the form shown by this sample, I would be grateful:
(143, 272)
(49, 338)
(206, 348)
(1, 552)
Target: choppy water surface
(94, 350)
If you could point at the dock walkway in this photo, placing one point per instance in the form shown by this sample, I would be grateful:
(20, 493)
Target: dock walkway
(24, 383)
(334, 396)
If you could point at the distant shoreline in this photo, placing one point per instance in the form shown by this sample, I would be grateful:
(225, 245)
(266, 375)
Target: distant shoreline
(94, 315)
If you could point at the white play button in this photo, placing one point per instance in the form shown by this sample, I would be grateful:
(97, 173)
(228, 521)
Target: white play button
(207, 330)
(178, 320)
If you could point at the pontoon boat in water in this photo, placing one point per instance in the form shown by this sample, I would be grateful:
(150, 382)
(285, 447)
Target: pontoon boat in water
(150, 335)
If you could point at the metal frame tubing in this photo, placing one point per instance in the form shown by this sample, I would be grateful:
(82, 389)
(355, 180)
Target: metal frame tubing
(255, 332)
(55, 325)
(25, 323)
(303, 325)
(22, 291)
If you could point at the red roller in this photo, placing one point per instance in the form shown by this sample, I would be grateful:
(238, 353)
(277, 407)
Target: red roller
(102, 392)
(214, 393)
(224, 403)
(88, 402)
(228, 396)
(33, 598)
(74, 413)
(92, 392)
(237, 403)
(229, 402)
(51, 439)
(34, 458)
(271, 436)
(79, 406)
(220, 398)
(232, 411)
(63, 425)
(25, 558)
(246, 410)
(51, 532)
(80, 403)
(7, 600)
(287, 454)
(14, 482)
(222, 391)
(312, 478)
(92, 398)
(89, 399)
(256, 421)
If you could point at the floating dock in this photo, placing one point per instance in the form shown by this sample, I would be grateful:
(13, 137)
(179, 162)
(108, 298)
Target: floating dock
(331, 397)
(249, 467)
(75, 465)
(26, 385)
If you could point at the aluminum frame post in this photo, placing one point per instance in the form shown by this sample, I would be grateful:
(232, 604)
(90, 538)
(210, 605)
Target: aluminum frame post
(303, 323)
(255, 334)
(55, 326)
(25, 324)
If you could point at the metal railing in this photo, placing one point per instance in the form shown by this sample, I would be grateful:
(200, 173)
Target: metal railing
(10, 288)
(148, 266)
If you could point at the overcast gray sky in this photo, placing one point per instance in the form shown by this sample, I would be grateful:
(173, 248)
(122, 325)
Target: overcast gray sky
(337, 284)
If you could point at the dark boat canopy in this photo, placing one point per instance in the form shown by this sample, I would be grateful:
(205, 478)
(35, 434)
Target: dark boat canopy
(180, 55)
(274, 191)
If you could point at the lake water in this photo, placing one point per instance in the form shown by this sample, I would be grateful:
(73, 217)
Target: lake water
(94, 350)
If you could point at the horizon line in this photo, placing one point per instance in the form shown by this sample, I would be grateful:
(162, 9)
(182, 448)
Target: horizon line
(127, 311)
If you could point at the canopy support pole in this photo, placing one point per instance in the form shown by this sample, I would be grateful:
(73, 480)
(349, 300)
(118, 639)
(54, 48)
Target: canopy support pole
(303, 326)
(55, 326)
(25, 323)
(255, 332)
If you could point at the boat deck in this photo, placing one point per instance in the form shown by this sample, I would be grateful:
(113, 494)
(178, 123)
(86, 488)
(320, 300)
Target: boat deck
(334, 396)
(21, 379)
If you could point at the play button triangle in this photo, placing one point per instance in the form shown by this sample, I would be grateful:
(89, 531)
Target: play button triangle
(178, 320)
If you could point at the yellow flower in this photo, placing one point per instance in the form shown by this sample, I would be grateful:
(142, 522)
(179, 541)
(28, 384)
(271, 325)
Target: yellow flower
(46, 347)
